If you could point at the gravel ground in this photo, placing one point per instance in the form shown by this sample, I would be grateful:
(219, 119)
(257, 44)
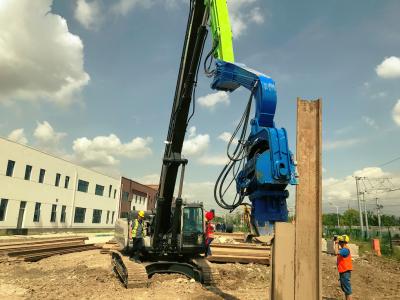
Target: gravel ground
(87, 275)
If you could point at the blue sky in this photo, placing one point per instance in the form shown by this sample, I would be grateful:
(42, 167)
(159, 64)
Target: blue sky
(93, 81)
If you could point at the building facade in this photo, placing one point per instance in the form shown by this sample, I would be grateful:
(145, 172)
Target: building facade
(136, 196)
(38, 190)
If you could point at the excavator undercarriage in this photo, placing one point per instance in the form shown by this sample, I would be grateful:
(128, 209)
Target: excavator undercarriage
(136, 275)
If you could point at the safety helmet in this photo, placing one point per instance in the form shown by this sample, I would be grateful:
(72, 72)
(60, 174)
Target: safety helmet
(343, 238)
(141, 214)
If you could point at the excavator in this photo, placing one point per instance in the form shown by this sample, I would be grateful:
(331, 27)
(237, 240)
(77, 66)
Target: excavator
(262, 164)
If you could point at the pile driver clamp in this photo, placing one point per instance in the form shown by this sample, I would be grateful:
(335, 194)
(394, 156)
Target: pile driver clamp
(266, 165)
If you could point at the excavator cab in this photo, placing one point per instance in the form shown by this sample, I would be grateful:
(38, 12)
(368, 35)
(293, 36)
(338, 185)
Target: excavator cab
(192, 234)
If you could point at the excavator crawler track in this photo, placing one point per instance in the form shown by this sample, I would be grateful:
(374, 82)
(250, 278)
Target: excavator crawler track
(210, 274)
(132, 274)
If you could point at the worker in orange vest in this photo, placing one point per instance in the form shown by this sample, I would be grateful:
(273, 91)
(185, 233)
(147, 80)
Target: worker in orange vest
(209, 231)
(344, 264)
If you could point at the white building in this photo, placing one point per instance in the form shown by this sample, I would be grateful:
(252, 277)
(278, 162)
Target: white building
(41, 191)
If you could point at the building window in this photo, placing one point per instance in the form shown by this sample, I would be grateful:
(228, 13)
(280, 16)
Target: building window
(83, 186)
(99, 190)
(41, 175)
(66, 182)
(112, 217)
(63, 214)
(53, 213)
(28, 171)
(125, 196)
(115, 193)
(36, 214)
(109, 191)
(3, 209)
(96, 216)
(79, 215)
(10, 168)
(58, 177)
(108, 216)
(136, 197)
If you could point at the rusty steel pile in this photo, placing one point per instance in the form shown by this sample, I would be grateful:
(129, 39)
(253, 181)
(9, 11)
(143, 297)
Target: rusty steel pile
(36, 249)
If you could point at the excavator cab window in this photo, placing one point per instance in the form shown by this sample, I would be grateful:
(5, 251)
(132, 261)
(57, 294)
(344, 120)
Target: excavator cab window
(192, 220)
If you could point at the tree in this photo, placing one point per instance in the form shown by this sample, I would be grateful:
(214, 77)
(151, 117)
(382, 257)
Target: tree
(329, 219)
(389, 220)
(234, 218)
(350, 218)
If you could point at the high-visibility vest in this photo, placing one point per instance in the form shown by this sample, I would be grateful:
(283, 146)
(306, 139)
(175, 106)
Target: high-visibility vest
(209, 230)
(135, 227)
(344, 264)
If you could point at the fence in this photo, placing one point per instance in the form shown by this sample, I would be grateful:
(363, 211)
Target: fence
(389, 237)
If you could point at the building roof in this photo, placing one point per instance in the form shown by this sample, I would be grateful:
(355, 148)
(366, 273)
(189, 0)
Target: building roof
(153, 186)
(60, 158)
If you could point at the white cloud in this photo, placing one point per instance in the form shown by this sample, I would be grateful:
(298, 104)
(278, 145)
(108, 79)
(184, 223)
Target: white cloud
(389, 68)
(88, 13)
(226, 137)
(18, 136)
(372, 172)
(104, 150)
(213, 160)
(123, 7)
(153, 178)
(46, 136)
(39, 58)
(337, 144)
(200, 192)
(242, 13)
(396, 112)
(342, 191)
(378, 95)
(211, 100)
(370, 122)
(196, 144)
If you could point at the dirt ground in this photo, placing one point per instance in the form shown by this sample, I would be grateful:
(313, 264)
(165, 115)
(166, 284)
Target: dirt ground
(87, 275)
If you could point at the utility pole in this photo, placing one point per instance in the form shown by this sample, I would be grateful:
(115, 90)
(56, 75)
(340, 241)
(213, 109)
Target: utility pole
(366, 216)
(378, 208)
(359, 204)
(337, 213)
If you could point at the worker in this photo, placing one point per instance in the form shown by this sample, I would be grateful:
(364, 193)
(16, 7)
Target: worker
(209, 231)
(344, 263)
(138, 233)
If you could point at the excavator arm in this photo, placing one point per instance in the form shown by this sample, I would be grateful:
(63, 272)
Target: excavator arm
(220, 29)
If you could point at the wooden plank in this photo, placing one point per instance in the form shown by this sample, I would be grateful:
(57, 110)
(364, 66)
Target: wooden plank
(227, 234)
(282, 273)
(40, 256)
(238, 252)
(240, 246)
(308, 229)
(39, 246)
(54, 247)
(34, 241)
(239, 259)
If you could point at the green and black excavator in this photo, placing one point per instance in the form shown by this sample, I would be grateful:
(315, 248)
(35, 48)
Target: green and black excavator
(262, 164)
(175, 239)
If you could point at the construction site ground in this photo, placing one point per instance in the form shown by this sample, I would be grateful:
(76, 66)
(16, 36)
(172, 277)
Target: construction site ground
(87, 275)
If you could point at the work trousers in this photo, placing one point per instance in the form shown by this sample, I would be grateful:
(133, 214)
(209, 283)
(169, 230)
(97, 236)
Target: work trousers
(137, 247)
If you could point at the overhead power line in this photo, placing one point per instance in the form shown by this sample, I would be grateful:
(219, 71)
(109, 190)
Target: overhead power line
(378, 166)
(389, 162)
